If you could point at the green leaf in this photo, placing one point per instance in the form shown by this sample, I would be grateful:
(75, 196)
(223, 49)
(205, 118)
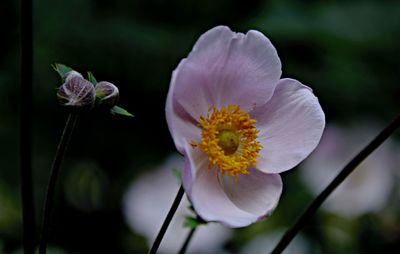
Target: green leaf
(61, 69)
(192, 222)
(120, 111)
(91, 78)
(177, 174)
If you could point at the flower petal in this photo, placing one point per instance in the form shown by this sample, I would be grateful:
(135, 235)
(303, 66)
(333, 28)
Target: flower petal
(182, 126)
(235, 68)
(209, 199)
(290, 124)
(257, 193)
(187, 175)
(224, 68)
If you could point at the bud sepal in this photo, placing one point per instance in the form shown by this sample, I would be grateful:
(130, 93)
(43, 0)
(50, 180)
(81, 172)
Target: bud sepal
(120, 111)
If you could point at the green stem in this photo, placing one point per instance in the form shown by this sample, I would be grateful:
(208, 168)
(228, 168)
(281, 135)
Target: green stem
(28, 210)
(167, 221)
(187, 241)
(48, 206)
(317, 202)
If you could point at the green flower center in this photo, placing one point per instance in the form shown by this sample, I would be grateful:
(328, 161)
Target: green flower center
(228, 140)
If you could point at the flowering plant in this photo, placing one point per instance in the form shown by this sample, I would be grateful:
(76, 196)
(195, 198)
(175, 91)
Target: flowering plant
(239, 125)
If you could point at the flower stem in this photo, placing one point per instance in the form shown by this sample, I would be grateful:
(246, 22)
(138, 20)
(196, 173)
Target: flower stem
(55, 168)
(28, 211)
(187, 241)
(317, 202)
(167, 220)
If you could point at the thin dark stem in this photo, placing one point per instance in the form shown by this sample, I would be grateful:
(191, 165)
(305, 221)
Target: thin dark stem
(55, 168)
(167, 221)
(28, 215)
(187, 241)
(313, 207)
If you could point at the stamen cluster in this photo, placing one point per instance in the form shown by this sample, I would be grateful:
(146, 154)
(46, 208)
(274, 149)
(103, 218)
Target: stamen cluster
(234, 155)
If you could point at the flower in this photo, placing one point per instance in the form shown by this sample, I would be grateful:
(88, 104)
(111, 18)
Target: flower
(145, 208)
(238, 125)
(368, 188)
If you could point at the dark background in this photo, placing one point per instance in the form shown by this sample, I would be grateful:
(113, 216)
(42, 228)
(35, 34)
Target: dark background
(347, 51)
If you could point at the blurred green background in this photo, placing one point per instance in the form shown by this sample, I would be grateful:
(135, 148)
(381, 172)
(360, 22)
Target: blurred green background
(347, 51)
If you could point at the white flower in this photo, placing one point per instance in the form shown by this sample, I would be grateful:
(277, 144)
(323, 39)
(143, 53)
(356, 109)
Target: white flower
(239, 125)
(367, 189)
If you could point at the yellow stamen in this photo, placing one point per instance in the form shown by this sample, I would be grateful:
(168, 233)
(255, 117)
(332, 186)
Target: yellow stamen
(229, 138)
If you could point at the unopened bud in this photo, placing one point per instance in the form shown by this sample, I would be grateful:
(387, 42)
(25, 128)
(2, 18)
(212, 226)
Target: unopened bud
(76, 93)
(107, 94)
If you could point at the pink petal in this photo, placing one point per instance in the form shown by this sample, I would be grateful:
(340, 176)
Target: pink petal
(182, 126)
(195, 160)
(234, 69)
(223, 68)
(188, 172)
(209, 199)
(290, 124)
(257, 193)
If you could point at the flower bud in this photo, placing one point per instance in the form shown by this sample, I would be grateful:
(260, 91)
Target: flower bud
(76, 93)
(107, 94)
